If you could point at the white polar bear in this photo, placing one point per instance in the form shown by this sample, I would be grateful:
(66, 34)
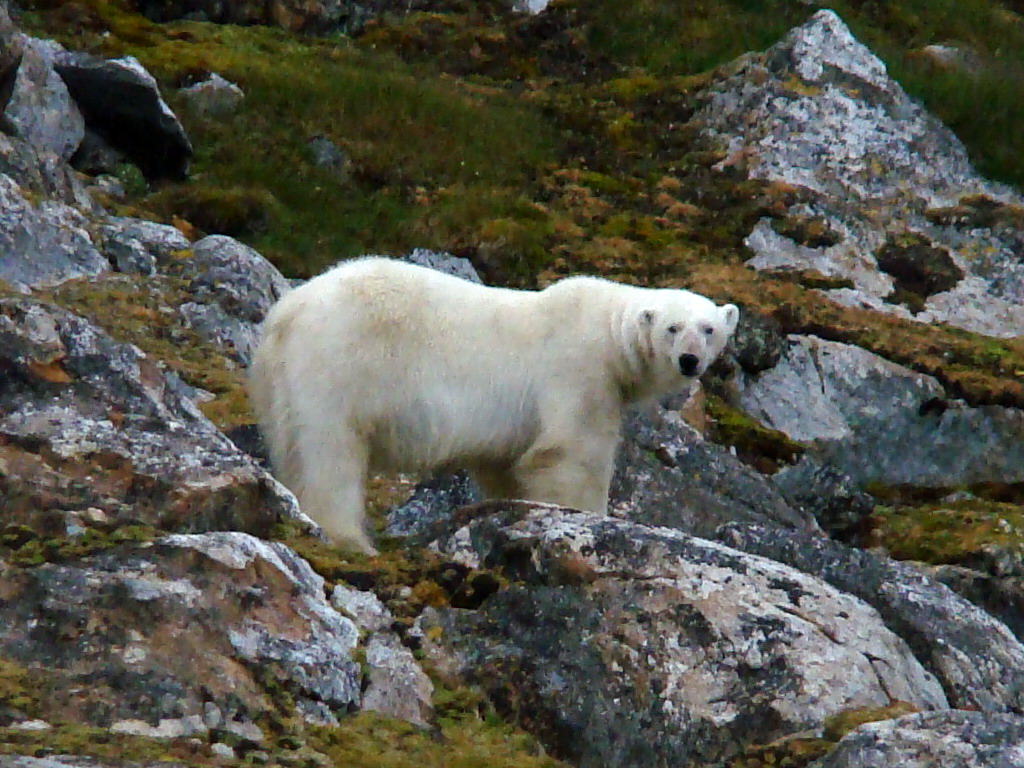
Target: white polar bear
(382, 365)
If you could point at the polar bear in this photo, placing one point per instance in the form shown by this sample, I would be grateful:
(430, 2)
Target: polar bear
(380, 365)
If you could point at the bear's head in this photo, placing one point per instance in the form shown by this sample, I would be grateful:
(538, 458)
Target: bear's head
(679, 335)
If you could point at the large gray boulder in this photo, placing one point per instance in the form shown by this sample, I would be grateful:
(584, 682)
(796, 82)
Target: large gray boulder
(93, 430)
(881, 422)
(43, 244)
(933, 740)
(234, 288)
(819, 111)
(667, 474)
(978, 661)
(179, 638)
(627, 645)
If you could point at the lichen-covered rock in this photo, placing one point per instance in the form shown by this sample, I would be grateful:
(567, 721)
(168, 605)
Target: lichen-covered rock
(40, 107)
(121, 101)
(881, 422)
(667, 474)
(137, 246)
(933, 740)
(88, 423)
(978, 661)
(625, 645)
(396, 685)
(836, 502)
(183, 637)
(43, 244)
(819, 111)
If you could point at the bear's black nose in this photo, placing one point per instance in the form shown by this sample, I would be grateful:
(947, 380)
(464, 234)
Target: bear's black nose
(689, 364)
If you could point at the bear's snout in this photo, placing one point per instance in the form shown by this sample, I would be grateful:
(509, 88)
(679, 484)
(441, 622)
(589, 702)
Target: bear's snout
(689, 364)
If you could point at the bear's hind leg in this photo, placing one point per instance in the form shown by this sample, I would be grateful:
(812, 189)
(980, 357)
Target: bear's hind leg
(557, 475)
(333, 486)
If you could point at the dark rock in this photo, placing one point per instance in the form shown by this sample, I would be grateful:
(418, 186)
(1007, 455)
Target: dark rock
(327, 154)
(757, 343)
(667, 474)
(1000, 595)
(835, 501)
(107, 633)
(976, 658)
(88, 423)
(433, 502)
(919, 267)
(624, 645)
(933, 740)
(95, 155)
(121, 101)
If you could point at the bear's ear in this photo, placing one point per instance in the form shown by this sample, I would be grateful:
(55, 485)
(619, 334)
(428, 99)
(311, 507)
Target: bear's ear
(730, 316)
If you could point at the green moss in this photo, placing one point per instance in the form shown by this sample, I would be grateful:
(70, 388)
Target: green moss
(959, 532)
(799, 751)
(765, 449)
(369, 739)
(19, 690)
(100, 743)
(27, 547)
(142, 311)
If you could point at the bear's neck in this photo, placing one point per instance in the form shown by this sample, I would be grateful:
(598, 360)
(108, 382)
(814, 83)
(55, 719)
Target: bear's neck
(631, 370)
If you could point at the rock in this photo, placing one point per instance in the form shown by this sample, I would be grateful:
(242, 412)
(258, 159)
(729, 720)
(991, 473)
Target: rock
(43, 244)
(213, 97)
(757, 343)
(530, 6)
(326, 154)
(667, 474)
(625, 645)
(364, 608)
(932, 740)
(444, 262)
(882, 423)
(136, 246)
(88, 423)
(819, 111)
(96, 155)
(40, 107)
(978, 661)
(234, 288)
(309, 16)
(432, 502)
(121, 101)
(1002, 595)
(835, 501)
(107, 633)
(951, 57)
(41, 175)
(397, 686)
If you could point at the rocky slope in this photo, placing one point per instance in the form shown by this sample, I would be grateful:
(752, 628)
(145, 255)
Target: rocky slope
(163, 599)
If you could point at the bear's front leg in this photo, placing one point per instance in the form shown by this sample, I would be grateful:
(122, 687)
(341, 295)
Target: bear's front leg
(333, 488)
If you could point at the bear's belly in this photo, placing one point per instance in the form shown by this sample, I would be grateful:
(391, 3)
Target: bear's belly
(448, 431)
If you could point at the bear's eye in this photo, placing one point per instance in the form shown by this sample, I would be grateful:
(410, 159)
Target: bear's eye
(673, 329)
(709, 330)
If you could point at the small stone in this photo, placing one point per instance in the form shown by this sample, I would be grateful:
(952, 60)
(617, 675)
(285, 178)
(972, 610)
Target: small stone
(222, 750)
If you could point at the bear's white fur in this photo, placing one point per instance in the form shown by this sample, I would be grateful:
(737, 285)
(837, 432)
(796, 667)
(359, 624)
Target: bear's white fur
(382, 365)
